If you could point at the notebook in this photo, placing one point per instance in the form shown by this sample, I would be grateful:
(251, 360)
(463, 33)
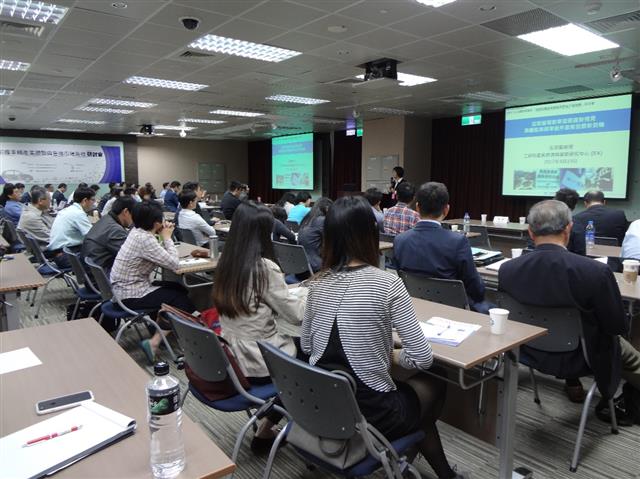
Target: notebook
(98, 425)
(448, 332)
(193, 261)
(496, 266)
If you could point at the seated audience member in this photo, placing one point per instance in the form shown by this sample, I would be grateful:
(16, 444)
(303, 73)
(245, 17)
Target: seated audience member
(188, 219)
(115, 194)
(106, 197)
(287, 201)
(95, 187)
(35, 219)
(631, 243)
(200, 192)
(244, 192)
(607, 221)
(49, 188)
(231, 199)
(400, 217)
(302, 207)
(171, 201)
(311, 230)
(374, 197)
(280, 228)
(165, 188)
(431, 250)
(10, 199)
(352, 307)
(71, 225)
(576, 241)
(80, 185)
(151, 190)
(25, 199)
(551, 276)
(138, 257)
(106, 237)
(144, 193)
(58, 195)
(252, 297)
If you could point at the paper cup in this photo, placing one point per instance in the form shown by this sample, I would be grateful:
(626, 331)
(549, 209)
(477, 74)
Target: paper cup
(516, 252)
(522, 219)
(454, 227)
(630, 270)
(483, 218)
(498, 320)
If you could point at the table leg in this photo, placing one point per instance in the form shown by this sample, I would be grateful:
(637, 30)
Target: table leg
(382, 261)
(11, 308)
(507, 415)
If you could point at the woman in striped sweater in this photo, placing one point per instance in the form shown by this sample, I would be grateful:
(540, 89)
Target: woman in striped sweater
(351, 310)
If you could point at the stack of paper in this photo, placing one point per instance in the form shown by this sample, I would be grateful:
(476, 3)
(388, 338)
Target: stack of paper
(445, 331)
(193, 261)
(496, 266)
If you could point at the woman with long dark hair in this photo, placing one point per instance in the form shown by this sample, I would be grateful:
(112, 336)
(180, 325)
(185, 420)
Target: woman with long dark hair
(287, 201)
(251, 296)
(311, 229)
(351, 310)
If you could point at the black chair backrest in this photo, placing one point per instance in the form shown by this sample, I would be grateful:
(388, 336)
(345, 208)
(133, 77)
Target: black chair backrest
(102, 281)
(292, 258)
(443, 291)
(187, 236)
(564, 324)
(321, 402)
(386, 237)
(606, 241)
(202, 349)
(481, 241)
(34, 248)
(293, 226)
(22, 237)
(10, 233)
(78, 269)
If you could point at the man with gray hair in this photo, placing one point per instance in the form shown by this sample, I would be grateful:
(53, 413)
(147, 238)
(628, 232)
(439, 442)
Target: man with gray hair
(554, 277)
(35, 219)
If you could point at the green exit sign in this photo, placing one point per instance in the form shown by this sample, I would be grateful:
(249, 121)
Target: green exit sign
(359, 132)
(471, 120)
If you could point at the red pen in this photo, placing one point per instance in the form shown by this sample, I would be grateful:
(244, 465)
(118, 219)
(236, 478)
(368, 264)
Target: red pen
(50, 436)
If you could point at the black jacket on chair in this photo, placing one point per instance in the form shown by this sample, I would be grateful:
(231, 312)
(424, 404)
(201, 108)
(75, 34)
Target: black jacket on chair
(608, 222)
(554, 277)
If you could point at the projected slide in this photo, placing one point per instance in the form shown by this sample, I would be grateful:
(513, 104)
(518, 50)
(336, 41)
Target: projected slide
(292, 162)
(582, 144)
(43, 160)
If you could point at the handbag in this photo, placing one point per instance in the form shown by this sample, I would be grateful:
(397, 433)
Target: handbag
(212, 390)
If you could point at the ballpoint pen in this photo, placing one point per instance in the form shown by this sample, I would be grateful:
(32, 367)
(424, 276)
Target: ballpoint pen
(51, 436)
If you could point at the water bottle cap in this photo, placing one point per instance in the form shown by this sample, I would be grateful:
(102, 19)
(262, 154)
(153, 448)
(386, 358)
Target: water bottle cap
(161, 368)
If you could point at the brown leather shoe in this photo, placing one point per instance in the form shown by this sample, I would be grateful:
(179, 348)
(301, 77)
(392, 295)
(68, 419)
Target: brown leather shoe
(575, 394)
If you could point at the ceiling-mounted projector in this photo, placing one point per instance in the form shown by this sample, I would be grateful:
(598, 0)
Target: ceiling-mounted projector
(380, 73)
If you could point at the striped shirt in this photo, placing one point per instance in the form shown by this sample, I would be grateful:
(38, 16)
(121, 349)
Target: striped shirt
(399, 219)
(366, 303)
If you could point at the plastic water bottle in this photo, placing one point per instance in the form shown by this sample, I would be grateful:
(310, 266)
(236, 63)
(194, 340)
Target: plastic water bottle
(165, 423)
(466, 223)
(213, 246)
(590, 235)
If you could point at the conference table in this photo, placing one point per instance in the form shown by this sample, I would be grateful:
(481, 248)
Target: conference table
(499, 230)
(190, 267)
(17, 273)
(79, 355)
(600, 250)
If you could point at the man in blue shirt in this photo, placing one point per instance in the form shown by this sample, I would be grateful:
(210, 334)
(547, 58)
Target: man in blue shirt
(72, 224)
(12, 207)
(433, 251)
(302, 207)
(171, 202)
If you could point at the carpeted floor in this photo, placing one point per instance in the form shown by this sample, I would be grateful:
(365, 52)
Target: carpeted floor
(544, 434)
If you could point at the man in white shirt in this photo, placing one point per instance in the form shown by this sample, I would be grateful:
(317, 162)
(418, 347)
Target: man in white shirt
(631, 243)
(188, 219)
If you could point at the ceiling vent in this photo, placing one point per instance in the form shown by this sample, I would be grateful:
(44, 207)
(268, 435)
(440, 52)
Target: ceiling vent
(194, 56)
(565, 90)
(21, 29)
(617, 23)
(525, 22)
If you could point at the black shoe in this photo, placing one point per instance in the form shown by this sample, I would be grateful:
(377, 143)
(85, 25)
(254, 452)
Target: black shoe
(262, 445)
(623, 418)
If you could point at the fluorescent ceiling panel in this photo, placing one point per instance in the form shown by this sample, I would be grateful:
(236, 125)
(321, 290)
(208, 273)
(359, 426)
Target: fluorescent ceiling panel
(114, 102)
(569, 40)
(249, 114)
(86, 122)
(97, 109)
(161, 83)
(142, 134)
(435, 3)
(174, 127)
(202, 120)
(5, 91)
(390, 111)
(63, 129)
(241, 48)
(13, 65)
(32, 10)
(296, 99)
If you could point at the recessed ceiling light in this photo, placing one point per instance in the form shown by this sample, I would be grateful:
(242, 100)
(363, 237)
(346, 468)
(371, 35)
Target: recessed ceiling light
(160, 83)
(569, 40)
(174, 127)
(114, 102)
(337, 28)
(406, 79)
(202, 120)
(62, 129)
(86, 122)
(249, 114)
(97, 109)
(241, 48)
(119, 5)
(390, 111)
(296, 99)
(35, 11)
(5, 91)
(487, 8)
(137, 133)
(435, 3)
(13, 65)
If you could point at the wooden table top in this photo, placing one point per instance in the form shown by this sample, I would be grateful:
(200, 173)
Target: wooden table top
(184, 250)
(18, 274)
(599, 250)
(80, 355)
(491, 225)
(482, 344)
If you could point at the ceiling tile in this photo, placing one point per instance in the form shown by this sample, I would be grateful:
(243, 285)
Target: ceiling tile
(228, 7)
(172, 36)
(150, 49)
(502, 48)
(301, 42)
(283, 14)
(429, 24)
(79, 51)
(352, 27)
(475, 11)
(249, 31)
(98, 22)
(383, 39)
(419, 49)
(137, 9)
(331, 6)
(469, 36)
(72, 36)
(576, 13)
(348, 53)
(383, 12)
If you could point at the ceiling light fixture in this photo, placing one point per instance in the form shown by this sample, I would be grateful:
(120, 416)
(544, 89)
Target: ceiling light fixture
(183, 133)
(174, 127)
(242, 48)
(97, 109)
(6, 91)
(390, 111)
(435, 3)
(568, 40)
(202, 120)
(405, 79)
(33, 10)
(114, 102)
(86, 122)
(296, 99)
(615, 74)
(160, 83)
(62, 129)
(249, 114)
(14, 65)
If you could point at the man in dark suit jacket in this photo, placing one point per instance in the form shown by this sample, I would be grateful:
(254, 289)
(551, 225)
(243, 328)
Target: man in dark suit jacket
(608, 222)
(171, 202)
(552, 276)
(436, 252)
(231, 199)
